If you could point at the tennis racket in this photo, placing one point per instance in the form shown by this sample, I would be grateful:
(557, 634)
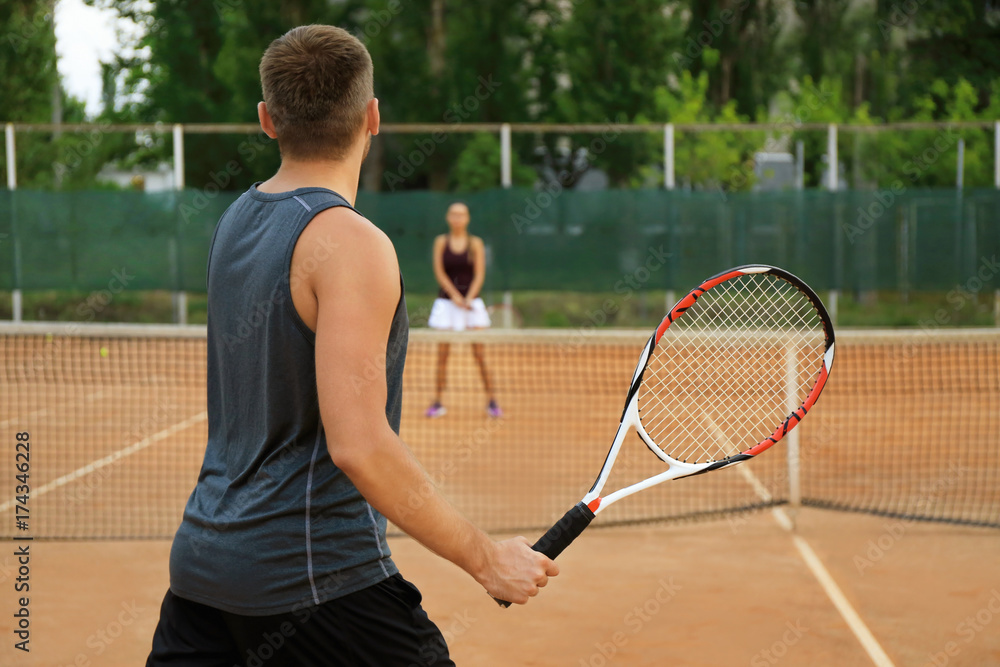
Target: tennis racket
(733, 367)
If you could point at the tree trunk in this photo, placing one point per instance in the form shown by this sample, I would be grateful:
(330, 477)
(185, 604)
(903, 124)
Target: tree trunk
(725, 82)
(436, 40)
(374, 166)
(859, 79)
(436, 46)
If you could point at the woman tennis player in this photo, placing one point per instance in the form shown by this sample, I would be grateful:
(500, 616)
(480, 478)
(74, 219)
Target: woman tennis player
(460, 268)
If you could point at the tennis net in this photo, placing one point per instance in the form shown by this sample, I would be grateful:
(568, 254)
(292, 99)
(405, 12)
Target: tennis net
(908, 426)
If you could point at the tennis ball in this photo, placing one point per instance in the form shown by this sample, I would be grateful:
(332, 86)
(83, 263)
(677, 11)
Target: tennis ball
(104, 351)
(48, 338)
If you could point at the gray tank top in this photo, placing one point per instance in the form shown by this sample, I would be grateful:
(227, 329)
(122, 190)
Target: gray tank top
(273, 525)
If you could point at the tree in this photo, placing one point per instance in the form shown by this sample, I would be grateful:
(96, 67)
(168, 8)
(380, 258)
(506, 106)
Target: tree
(740, 39)
(613, 55)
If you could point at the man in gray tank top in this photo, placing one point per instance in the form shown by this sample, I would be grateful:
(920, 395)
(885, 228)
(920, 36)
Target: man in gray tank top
(281, 558)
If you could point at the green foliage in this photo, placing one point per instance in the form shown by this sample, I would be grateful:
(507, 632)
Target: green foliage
(478, 166)
(706, 159)
(613, 55)
(600, 61)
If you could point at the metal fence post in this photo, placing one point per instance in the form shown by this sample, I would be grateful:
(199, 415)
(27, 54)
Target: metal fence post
(506, 181)
(668, 156)
(179, 296)
(833, 167)
(960, 165)
(505, 177)
(17, 305)
(996, 155)
(800, 165)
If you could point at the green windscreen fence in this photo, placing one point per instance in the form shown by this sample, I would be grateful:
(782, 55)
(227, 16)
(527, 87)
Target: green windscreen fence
(918, 240)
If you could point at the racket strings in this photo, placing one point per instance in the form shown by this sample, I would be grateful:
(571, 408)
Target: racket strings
(730, 369)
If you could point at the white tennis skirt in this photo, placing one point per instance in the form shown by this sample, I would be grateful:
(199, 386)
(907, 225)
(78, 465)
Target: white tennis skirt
(449, 317)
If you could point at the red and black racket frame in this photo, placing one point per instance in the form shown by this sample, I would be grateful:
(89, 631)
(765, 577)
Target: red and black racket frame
(573, 523)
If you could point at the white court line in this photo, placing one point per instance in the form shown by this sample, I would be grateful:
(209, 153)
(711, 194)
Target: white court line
(41, 412)
(815, 565)
(111, 458)
(822, 575)
(861, 631)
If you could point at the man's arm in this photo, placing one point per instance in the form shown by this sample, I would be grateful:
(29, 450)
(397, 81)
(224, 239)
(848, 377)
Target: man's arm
(356, 297)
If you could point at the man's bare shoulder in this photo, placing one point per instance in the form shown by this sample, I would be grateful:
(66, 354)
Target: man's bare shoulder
(353, 241)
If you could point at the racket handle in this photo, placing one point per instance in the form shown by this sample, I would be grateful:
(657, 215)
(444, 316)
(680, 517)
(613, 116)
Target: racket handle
(559, 536)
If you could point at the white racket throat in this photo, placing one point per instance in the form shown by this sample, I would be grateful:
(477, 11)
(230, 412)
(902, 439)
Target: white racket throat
(676, 469)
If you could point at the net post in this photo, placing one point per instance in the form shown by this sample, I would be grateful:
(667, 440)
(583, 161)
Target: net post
(668, 156)
(833, 300)
(996, 308)
(670, 300)
(792, 446)
(507, 321)
(505, 175)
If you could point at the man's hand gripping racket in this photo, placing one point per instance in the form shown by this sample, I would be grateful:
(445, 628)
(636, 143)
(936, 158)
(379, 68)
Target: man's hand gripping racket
(733, 367)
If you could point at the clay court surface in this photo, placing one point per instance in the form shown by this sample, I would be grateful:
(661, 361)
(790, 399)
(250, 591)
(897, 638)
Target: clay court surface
(717, 593)
(118, 438)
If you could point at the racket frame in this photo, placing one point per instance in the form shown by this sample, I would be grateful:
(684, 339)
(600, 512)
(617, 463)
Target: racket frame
(630, 414)
(576, 520)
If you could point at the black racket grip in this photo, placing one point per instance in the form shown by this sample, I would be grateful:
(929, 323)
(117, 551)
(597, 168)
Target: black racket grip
(561, 535)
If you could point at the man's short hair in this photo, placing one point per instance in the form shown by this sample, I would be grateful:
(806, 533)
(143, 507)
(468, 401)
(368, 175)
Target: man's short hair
(317, 81)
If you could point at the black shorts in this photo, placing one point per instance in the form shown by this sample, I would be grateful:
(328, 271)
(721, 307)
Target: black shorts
(380, 625)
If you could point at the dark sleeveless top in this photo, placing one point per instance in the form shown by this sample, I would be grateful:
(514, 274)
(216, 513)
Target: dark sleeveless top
(272, 524)
(458, 267)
